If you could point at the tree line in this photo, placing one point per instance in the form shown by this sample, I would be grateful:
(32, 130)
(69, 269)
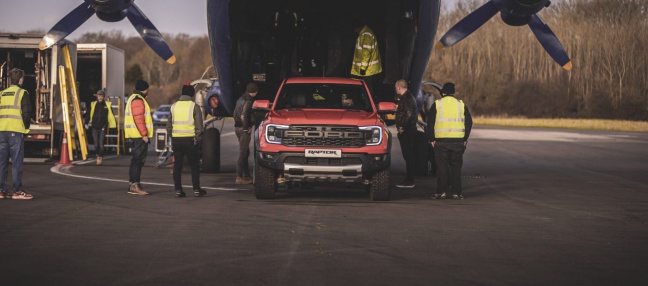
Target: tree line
(503, 70)
(499, 70)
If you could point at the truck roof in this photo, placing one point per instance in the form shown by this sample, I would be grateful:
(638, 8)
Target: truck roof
(335, 80)
(22, 41)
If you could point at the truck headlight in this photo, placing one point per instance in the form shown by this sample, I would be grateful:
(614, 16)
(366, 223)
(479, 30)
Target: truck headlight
(373, 135)
(273, 133)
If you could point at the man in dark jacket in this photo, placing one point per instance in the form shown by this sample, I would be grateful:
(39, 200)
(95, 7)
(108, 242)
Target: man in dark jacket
(449, 124)
(100, 119)
(185, 126)
(243, 125)
(406, 117)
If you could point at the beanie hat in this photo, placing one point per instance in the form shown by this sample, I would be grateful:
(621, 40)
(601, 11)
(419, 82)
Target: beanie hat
(101, 92)
(188, 89)
(448, 89)
(251, 88)
(141, 85)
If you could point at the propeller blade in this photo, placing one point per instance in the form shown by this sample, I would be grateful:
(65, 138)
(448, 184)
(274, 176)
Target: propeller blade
(67, 25)
(549, 42)
(149, 33)
(467, 25)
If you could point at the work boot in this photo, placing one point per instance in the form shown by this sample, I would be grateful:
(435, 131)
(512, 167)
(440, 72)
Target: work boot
(136, 189)
(180, 194)
(243, 181)
(99, 160)
(199, 192)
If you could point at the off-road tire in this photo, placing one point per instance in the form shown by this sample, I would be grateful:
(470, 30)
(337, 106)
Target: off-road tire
(379, 187)
(265, 183)
(211, 151)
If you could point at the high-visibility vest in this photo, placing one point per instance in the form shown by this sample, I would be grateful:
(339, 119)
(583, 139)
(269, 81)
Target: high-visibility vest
(366, 56)
(10, 110)
(130, 129)
(183, 121)
(450, 117)
(111, 117)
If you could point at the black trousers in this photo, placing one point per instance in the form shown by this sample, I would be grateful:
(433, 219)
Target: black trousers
(407, 140)
(449, 159)
(185, 147)
(140, 151)
(242, 165)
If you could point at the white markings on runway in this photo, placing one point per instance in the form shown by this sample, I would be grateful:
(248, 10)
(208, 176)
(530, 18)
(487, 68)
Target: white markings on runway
(65, 171)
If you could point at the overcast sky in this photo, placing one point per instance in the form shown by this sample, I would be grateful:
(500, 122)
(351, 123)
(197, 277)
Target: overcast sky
(169, 16)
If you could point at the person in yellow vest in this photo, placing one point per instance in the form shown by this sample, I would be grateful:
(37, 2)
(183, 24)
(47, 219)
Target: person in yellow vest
(15, 118)
(366, 56)
(185, 125)
(100, 119)
(449, 124)
(138, 127)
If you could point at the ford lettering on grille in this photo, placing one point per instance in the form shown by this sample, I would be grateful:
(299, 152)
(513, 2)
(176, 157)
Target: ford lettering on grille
(323, 136)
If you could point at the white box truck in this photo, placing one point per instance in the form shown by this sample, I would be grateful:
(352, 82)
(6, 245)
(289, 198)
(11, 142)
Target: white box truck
(101, 66)
(41, 81)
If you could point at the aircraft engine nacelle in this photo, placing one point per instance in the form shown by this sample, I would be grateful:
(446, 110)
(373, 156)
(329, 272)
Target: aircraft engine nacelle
(519, 12)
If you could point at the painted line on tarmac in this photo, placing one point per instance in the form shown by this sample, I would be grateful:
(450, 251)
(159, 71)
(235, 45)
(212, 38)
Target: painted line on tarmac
(65, 171)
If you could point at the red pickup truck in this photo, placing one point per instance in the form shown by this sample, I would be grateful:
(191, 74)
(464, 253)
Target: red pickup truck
(322, 130)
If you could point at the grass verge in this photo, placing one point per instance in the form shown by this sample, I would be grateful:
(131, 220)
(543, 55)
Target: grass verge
(586, 124)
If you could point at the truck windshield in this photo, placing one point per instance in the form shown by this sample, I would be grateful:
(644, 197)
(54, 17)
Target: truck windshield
(324, 96)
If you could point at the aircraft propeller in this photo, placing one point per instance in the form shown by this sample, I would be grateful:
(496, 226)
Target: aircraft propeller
(514, 13)
(110, 11)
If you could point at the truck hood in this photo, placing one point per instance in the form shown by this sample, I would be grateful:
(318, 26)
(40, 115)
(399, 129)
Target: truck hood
(324, 117)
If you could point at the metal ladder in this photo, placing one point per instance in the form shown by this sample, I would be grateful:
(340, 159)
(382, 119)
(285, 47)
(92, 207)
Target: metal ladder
(116, 140)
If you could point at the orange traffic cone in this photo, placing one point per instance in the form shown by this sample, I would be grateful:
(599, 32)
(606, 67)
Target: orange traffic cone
(65, 157)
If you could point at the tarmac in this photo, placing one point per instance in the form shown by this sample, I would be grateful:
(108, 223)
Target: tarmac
(542, 207)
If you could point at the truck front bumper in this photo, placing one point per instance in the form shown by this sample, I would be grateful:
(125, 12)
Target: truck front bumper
(350, 167)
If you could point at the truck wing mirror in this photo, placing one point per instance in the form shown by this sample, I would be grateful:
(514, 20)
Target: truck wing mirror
(386, 108)
(261, 105)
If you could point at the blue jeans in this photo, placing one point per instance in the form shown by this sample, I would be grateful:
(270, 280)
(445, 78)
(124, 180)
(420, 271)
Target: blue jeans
(98, 136)
(11, 144)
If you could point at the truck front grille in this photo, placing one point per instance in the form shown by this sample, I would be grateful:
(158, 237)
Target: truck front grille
(329, 136)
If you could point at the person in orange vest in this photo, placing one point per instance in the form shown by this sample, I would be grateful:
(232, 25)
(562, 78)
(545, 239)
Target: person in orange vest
(15, 118)
(138, 128)
(99, 120)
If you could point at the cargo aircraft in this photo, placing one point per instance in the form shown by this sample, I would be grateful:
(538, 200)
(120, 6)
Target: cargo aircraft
(267, 41)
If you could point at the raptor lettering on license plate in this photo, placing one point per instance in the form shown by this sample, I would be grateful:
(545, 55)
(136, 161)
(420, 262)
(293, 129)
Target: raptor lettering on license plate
(323, 153)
